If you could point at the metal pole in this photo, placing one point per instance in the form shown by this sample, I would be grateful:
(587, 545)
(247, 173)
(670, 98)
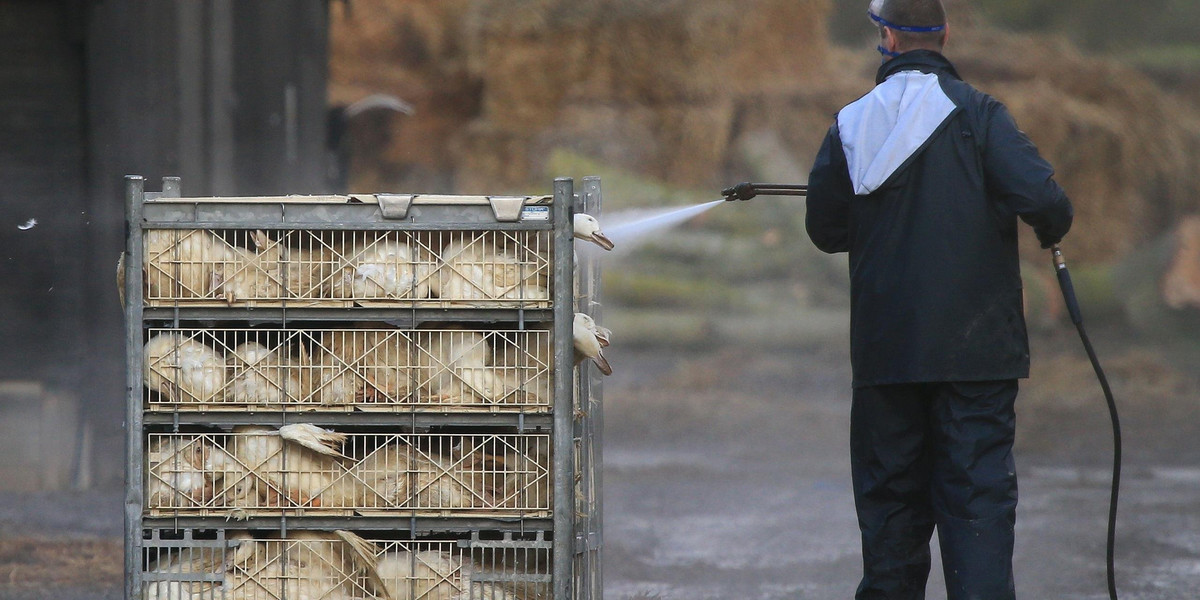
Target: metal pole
(593, 205)
(134, 493)
(564, 443)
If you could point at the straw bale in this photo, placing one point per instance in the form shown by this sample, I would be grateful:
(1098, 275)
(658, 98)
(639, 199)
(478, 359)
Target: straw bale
(678, 143)
(492, 160)
(494, 76)
(533, 55)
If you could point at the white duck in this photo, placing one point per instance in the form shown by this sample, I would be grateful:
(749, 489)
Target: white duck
(253, 274)
(456, 365)
(302, 475)
(490, 268)
(308, 565)
(196, 562)
(527, 363)
(603, 334)
(183, 369)
(309, 272)
(177, 474)
(368, 365)
(317, 475)
(331, 380)
(587, 342)
(263, 376)
(429, 574)
(183, 263)
(587, 228)
(382, 269)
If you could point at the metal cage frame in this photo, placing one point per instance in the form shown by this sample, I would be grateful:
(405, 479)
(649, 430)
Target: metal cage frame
(568, 532)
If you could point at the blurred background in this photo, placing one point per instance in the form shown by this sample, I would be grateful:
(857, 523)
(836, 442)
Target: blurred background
(668, 101)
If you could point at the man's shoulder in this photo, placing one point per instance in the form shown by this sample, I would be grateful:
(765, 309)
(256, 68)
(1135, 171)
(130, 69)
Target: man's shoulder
(967, 95)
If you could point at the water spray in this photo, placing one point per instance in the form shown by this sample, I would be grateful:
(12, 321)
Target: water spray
(626, 229)
(747, 190)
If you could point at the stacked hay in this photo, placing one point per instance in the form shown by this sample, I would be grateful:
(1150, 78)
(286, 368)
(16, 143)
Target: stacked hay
(645, 84)
(495, 83)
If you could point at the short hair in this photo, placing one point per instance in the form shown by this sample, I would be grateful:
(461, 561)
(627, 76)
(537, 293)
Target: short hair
(916, 13)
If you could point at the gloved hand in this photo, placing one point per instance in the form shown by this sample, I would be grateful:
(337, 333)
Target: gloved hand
(741, 191)
(1047, 240)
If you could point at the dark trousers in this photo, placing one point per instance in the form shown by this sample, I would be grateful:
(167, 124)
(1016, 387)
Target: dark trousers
(935, 454)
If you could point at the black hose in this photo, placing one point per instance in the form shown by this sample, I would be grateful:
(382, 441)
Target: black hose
(1068, 290)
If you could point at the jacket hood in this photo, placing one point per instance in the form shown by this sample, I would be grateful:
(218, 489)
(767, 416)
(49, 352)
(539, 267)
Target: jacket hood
(882, 131)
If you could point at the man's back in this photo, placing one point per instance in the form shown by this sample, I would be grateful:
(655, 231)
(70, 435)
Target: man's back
(921, 181)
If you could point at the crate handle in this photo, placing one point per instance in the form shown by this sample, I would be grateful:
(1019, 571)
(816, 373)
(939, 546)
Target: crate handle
(507, 209)
(395, 206)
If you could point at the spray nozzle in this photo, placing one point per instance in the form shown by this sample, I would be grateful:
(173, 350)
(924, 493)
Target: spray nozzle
(747, 190)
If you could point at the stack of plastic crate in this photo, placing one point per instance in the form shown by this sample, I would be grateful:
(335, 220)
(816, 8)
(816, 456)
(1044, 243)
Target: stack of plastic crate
(358, 397)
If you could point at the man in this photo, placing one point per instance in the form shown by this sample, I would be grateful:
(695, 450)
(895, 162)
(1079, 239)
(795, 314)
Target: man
(922, 181)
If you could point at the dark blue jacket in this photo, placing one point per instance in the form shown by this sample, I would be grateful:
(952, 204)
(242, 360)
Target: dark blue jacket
(922, 181)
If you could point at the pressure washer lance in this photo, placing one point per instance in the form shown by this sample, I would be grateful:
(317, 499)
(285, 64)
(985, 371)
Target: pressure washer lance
(747, 190)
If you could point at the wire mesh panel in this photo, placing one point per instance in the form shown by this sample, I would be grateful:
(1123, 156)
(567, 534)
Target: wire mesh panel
(379, 369)
(303, 267)
(341, 565)
(302, 469)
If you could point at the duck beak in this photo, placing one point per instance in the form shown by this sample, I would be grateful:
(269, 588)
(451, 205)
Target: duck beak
(602, 335)
(601, 240)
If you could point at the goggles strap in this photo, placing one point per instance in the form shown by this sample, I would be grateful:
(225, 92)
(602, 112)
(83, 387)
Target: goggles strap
(908, 28)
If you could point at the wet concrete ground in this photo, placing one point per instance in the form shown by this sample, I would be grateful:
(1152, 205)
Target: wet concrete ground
(726, 477)
(742, 490)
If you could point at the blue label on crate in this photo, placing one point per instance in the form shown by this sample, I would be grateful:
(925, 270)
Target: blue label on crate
(535, 213)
